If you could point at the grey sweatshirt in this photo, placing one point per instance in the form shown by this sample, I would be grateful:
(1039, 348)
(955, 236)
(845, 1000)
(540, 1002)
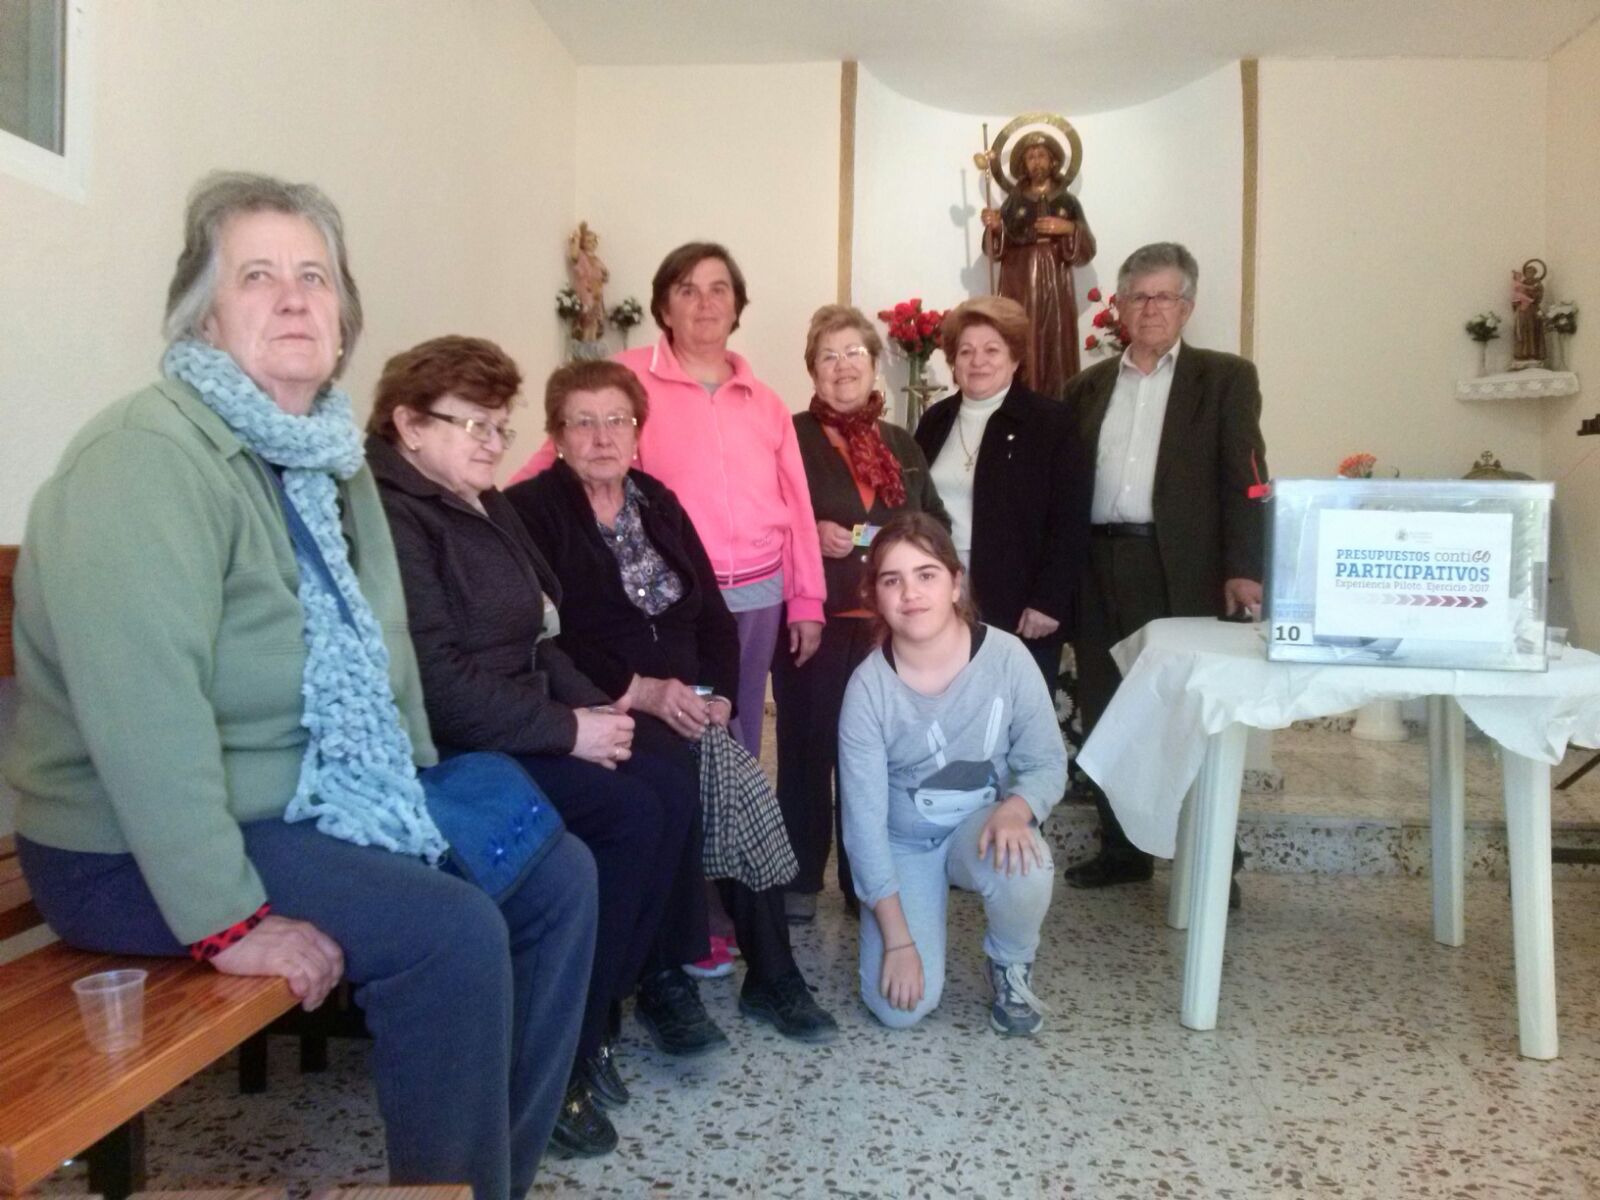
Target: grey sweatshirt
(912, 767)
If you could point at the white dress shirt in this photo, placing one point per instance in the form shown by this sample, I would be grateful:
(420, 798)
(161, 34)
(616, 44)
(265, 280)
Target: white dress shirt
(952, 473)
(1130, 437)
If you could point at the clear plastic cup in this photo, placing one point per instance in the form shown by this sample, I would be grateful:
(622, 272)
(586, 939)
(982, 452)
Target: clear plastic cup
(112, 1007)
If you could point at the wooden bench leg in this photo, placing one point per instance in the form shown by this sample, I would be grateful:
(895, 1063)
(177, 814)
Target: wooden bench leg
(116, 1162)
(253, 1065)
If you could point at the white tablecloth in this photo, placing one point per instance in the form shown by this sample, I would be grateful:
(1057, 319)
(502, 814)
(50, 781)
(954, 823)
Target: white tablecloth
(1186, 678)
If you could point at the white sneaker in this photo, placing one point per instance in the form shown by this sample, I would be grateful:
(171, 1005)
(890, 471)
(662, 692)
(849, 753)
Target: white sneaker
(1016, 1011)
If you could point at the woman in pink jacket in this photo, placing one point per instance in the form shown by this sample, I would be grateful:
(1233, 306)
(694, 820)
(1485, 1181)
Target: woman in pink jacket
(724, 442)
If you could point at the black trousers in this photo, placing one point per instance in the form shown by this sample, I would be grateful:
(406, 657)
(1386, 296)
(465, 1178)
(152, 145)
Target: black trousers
(1125, 589)
(809, 699)
(642, 824)
(758, 919)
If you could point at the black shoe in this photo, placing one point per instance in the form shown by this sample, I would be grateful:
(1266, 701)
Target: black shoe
(668, 1006)
(605, 1082)
(786, 1004)
(800, 908)
(582, 1130)
(1107, 870)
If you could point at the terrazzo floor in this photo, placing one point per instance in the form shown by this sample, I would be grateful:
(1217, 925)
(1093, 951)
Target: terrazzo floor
(1353, 1057)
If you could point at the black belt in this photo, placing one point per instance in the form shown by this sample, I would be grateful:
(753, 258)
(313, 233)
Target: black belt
(1123, 529)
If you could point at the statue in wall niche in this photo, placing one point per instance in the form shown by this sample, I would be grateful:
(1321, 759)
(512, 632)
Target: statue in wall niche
(589, 276)
(1038, 235)
(1527, 315)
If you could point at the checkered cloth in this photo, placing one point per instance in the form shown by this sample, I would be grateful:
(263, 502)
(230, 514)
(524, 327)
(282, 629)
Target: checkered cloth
(744, 834)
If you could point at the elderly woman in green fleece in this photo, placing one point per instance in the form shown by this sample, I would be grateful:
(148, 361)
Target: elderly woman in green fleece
(219, 733)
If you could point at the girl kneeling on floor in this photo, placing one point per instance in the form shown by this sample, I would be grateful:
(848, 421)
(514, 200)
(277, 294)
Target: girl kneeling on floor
(949, 758)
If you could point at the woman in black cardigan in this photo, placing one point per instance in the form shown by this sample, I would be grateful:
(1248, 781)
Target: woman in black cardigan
(476, 589)
(1014, 477)
(861, 472)
(642, 615)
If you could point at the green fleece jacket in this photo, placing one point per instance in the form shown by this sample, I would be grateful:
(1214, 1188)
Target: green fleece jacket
(160, 651)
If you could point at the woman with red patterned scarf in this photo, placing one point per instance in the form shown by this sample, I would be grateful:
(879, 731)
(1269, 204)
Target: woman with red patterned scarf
(861, 470)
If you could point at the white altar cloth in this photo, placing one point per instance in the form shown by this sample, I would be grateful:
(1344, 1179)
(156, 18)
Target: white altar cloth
(1186, 678)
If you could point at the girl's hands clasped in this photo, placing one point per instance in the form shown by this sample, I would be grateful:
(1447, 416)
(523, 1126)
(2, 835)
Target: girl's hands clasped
(1009, 830)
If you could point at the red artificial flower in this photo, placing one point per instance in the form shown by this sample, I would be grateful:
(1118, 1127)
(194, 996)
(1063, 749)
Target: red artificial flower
(1091, 342)
(886, 314)
(903, 310)
(1123, 335)
(1100, 319)
(1094, 296)
(916, 304)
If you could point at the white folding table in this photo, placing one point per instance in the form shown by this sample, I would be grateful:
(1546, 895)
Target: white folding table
(1176, 729)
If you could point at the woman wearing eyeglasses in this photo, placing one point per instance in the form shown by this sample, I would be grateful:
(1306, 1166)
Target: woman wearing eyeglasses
(642, 616)
(862, 471)
(481, 601)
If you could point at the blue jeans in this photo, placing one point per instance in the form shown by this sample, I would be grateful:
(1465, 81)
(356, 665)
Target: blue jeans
(474, 1009)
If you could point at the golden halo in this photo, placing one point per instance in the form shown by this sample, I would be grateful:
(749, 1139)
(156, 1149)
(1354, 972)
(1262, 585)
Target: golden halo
(1065, 137)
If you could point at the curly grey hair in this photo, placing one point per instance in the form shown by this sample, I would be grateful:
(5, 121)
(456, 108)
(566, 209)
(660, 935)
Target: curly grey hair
(1159, 256)
(224, 194)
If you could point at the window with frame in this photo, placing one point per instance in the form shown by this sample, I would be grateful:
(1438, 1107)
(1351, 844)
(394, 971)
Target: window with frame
(33, 94)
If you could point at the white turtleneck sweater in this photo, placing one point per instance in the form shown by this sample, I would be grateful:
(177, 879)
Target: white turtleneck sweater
(951, 472)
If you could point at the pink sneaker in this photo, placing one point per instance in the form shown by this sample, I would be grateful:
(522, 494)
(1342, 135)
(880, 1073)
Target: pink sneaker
(715, 965)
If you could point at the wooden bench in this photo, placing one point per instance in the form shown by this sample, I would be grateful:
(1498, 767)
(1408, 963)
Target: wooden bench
(59, 1097)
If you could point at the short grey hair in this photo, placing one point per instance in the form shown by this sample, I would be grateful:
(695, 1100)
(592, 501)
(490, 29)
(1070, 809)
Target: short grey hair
(1160, 256)
(225, 194)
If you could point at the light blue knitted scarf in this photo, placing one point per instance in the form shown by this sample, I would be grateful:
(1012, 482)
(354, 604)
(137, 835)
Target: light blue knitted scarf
(357, 779)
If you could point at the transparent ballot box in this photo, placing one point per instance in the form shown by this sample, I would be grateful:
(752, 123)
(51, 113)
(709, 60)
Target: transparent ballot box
(1408, 573)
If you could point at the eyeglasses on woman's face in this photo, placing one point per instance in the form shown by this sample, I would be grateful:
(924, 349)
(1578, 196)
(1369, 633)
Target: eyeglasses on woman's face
(588, 424)
(827, 360)
(478, 429)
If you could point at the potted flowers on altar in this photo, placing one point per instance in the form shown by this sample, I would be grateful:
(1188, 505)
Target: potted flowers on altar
(626, 316)
(1562, 320)
(1483, 329)
(914, 332)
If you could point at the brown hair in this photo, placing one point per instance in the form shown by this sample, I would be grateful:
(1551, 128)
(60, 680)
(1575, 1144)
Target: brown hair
(831, 318)
(591, 376)
(933, 539)
(1005, 317)
(679, 265)
(474, 369)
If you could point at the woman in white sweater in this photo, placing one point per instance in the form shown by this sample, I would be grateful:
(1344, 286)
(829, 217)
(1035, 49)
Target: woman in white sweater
(949, 758)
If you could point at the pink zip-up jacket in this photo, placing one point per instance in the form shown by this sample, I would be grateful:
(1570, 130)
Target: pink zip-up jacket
(734, 463)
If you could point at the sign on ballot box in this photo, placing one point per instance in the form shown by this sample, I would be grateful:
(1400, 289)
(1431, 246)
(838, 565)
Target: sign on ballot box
(1411, 573)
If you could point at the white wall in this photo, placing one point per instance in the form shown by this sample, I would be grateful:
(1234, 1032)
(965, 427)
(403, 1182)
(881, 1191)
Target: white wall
(443, 131)
(1395, 198)
(1573, 219)
(743, 155)
(1168, 169)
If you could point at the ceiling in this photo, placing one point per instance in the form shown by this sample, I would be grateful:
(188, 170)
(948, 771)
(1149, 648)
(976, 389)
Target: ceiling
(1083, 55)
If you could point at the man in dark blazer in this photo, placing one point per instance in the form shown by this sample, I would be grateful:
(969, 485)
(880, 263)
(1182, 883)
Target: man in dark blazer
(1176, 526)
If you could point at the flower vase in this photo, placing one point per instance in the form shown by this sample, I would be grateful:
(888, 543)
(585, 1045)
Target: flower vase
(918, 390)
(1483, 359)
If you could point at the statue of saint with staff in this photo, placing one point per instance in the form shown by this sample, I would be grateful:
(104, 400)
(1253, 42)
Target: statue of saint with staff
(1038, 235)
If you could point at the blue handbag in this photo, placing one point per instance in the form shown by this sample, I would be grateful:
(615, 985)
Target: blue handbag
(497, 821)
(491, 812)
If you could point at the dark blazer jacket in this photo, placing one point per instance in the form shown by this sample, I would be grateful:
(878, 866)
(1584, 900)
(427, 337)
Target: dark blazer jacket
(1030, 508)
(834, 498)
(609, 638)
(1208, 530)
(475, 588)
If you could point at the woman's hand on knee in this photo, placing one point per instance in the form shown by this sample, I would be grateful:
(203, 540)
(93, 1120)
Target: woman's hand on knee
(900, 981)
(297, 951)
(1009, 831)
